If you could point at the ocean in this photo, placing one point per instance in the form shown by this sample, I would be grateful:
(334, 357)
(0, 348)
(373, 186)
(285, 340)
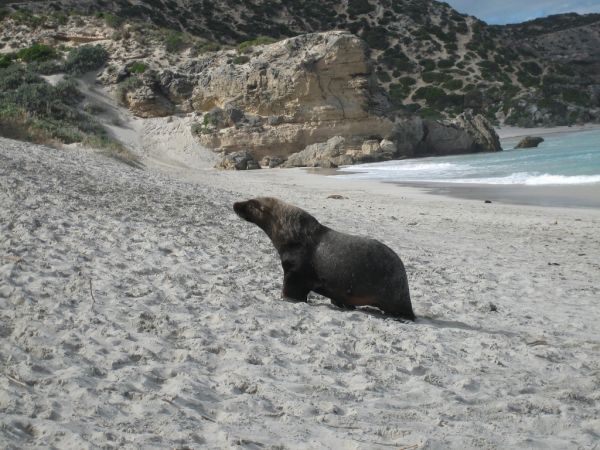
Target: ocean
(562, 159)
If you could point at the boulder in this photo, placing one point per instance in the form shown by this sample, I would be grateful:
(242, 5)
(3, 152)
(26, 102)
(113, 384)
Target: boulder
(340, 151)
(530, 142)
(271, 161)
(465, 134)
(238, 161)
(331, 152)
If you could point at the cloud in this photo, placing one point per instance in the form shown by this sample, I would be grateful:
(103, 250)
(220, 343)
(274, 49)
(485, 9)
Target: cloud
(512, 11)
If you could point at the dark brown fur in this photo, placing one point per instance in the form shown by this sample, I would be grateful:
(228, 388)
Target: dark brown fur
(350, 270)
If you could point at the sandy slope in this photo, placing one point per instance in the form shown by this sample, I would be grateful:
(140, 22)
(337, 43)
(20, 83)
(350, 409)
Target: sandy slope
(136, 311)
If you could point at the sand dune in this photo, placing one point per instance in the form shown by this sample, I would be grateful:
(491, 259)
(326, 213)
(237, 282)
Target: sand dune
(137, 311)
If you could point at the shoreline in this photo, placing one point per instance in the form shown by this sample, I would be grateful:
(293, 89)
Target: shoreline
(549, 196)
(509, 132)
(585, 196)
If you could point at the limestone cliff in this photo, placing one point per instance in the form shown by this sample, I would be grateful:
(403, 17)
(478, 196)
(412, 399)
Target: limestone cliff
(315, 96)
(291, 94)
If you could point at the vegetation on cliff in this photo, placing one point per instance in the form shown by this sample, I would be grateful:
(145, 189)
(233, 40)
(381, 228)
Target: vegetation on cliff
(429, 58)
(36, 110)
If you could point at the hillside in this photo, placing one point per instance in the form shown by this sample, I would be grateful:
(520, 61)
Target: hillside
(428, 57)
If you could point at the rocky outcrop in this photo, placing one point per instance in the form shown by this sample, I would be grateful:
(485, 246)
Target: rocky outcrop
(340, 151)
(530, 142)
(144, 98)
(238, 161)
(292, 94)
(483, 134)
(271, 161)
(465, 134)
(412, 137)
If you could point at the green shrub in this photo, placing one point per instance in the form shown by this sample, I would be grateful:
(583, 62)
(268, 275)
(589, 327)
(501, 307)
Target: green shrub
(85, 58)
(240, 59)
(5, 60)
(577, 96)
(47, 67)
(430, 113)
(527, 80)
(61, 18)
(24, 17)
(383, 76)
(532, 68)
(427, 64)
(138, 67)
(429, 93)
(407, 82)
(246, 46)
(206, 47)
(445, 63)
(32, 109)
(438, 99)
(376, 37)
(111, 20)
(398, 93)
(356, 7)
(37, 52)
(453, 85)
(175, 42)
(435, 77)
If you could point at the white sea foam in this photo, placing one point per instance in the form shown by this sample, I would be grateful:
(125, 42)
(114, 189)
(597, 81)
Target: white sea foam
(421, 167)
(529, 179)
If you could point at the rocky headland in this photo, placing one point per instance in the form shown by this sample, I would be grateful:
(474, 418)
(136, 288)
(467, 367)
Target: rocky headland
(363, 81)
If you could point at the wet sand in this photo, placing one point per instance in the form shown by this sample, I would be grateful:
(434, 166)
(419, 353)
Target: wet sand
(577, 196)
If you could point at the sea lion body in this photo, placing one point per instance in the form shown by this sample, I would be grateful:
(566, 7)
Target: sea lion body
(350, 270)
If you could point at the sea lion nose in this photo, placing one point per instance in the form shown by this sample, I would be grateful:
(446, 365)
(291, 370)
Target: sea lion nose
(238, 207)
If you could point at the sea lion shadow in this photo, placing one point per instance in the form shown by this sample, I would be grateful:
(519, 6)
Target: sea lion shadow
(456, 325)
(368, 310)
(420, 320)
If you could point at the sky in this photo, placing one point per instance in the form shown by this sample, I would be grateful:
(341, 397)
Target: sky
(513, 11)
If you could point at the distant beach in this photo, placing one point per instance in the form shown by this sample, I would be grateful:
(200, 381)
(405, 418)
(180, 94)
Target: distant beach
(515, 132)
(563, 171)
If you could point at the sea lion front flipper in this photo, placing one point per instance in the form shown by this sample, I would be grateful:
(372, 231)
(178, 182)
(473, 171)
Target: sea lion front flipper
(295, 287)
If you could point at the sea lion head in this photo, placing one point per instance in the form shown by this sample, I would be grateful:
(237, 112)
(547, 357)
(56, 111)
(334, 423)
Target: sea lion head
(282, 222)
(257, 210)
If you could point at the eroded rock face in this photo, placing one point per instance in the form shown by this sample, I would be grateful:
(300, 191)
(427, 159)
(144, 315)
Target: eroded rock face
(301, 91)
(145, 102)
(467, 133)
(145, 99)
(530, 142)
(485, 138)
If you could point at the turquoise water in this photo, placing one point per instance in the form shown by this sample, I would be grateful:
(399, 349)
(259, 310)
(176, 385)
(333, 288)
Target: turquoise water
(563, 159)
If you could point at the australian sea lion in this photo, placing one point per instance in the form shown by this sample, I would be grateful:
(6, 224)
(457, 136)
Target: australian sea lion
(350, 270)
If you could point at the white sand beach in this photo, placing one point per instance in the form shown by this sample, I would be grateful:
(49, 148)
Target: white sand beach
(137, 311)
